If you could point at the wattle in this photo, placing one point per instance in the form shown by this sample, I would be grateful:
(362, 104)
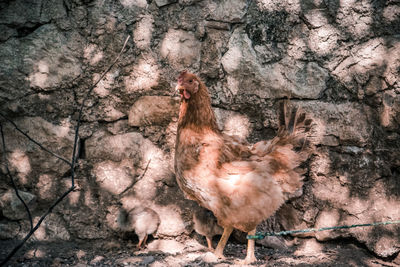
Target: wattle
(186, 94)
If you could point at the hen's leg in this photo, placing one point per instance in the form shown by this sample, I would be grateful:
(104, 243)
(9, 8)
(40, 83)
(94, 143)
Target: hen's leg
(139, 245)
(250, 258)
(219, 251)
(142, 240)
(209, 243)
(145, 240)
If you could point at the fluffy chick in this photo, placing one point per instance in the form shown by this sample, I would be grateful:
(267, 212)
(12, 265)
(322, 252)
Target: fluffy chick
(206, 225)
(144, 221)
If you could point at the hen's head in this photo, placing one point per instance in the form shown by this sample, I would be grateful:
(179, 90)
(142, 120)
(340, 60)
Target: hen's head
(188, 85)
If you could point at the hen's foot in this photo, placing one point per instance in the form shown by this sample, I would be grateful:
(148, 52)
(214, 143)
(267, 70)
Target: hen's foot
(219, 255)
(222, 242)
(249, 259)
(209, 244)
(246, 261)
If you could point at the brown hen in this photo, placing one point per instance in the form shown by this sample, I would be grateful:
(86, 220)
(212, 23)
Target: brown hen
(241, 184)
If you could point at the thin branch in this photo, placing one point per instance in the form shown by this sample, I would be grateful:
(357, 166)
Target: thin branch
(138, 179)
(83, 104)
(33, 230)
(72, 164)
(11, 178)
(34, 141)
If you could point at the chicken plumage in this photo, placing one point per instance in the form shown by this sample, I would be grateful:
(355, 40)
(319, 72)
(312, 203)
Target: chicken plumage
(144, 221)
(241, 184)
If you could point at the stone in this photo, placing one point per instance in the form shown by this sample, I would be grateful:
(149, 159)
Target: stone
(7, 33)
(113, 212)
(389, 110)
(217, 25)
(132, 3)
(9, 230)
(126, 261)
(374, 85)
(233, 123)
(143, 76)
(161, 3)
(286, 78)
(345, 123)
(166, 246)
(369, 59)
(316, 17)
(84, 223)
(114, 147)
(231, 11)
(21, 13)
(327, 218)
(103, 88)
(49, 67)
(29, 14)
(147, 260)
(181, 49)
(212, 49)
(114, 177)
(149, 110)
(272, 242)
(324, 38)
(53, 228)
(96, 259)
(28, 160)
(143, 32)
(136, 167)
(309, 247)
(12, 207)
(129, 146)
(188, 2)
(209, 257)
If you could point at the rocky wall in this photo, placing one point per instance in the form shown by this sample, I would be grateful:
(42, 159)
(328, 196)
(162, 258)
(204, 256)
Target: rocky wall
(338, 60)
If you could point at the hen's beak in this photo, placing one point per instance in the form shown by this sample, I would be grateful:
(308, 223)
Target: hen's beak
(182, 92)
(179, 89)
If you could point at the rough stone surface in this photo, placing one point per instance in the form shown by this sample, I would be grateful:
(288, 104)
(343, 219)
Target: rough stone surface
(53, 228)
(12, 207)
(227, 10)
(337, 60)
(149, 110)
(286, 78)
(9, 230)
(161, 3)
(181, 49)
(114, 177)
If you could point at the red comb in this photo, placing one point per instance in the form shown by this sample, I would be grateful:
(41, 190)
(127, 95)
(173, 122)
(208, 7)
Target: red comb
(182, 73)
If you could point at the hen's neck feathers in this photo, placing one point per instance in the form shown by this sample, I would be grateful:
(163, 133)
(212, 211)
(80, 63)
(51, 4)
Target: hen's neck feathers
(196, 113)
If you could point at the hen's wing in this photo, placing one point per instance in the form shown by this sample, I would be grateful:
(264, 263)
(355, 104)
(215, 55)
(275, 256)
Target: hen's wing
(253, 181)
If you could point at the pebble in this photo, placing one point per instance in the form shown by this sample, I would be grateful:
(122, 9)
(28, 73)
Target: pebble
(147, 260)
(96, 259)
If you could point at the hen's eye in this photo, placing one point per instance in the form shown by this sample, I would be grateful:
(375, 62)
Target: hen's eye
(190, 81)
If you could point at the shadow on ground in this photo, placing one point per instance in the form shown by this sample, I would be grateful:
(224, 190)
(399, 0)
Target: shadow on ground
(189, 252)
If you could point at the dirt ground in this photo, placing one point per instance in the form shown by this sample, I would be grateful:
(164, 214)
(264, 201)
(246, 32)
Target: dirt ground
(188, 252)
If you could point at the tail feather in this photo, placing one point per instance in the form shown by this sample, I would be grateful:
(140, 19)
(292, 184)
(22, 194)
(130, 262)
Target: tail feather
(295, 124)
(290, 117)
(284, 154)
